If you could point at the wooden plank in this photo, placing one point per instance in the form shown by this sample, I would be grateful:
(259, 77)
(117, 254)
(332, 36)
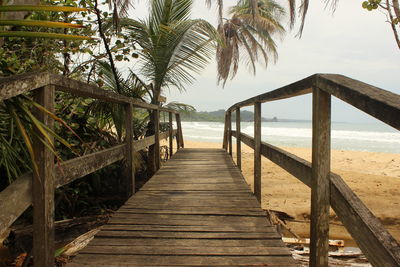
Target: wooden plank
(18, 84)
(225, 137)
(180, 133)
(188, 228)
(257, 151)
(171, 260)
(104, 241)
(298, 88)
(157, 159)
(238, 141)
(379, 103)
(230, 133)
(73, 169)
(43, 185)
(192, 251)
(178, 136)
(176, 218)
(364, 227)
(129, 164)
(170, 137)
(197, 235)
(14, 200)
(320, 183)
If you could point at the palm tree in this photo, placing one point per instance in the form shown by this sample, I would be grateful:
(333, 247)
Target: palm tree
(250, 33)
(173, 48)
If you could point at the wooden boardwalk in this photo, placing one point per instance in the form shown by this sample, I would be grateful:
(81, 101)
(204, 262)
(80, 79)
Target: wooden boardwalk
(196, 211)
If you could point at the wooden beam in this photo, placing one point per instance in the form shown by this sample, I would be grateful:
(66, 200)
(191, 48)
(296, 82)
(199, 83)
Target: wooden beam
(230, 133)
(379, 103)
(320, 182)
(43, 185)
(17, 197)
(157, 159)
(180, 132)
(294, 89)
(129, 165)
(238, 141)
(18, 84)
(171, 129)
(225, 137)
(375, 241)
(257, 150)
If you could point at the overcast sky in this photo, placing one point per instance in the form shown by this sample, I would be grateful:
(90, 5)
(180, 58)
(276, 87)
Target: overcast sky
(352, 42)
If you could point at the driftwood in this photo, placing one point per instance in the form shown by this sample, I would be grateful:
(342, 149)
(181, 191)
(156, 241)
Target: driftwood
(20, 238)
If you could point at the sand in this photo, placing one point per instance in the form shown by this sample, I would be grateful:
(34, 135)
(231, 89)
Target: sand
(374, 177)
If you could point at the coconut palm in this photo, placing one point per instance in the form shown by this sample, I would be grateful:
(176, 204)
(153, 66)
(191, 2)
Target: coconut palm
(173, 46)
(249, 33)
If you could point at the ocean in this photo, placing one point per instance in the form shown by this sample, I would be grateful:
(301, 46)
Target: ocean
(344, 136)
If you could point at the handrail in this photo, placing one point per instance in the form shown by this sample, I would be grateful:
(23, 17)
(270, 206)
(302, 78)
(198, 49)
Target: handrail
(39, 190)
(379, 103)
(21, 83)
(327, 189)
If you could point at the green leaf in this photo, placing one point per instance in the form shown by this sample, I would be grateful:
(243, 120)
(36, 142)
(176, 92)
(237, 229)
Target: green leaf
(11, 8)
(40, 23)
(43, 35)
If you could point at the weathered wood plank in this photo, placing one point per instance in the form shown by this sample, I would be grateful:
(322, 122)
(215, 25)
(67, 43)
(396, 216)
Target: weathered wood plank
(225, 137)
(257, 151)
(43, 184)
(214, 217)
(238, 141)
(18, 84)
(191, 251)
(364, 227)
(157, 159)
(104, 241)
(162, 260)
(320, 183)
(180, 133)
(129, 164)
(170, 137)
(301, 87)
(73, 169)
(379, 103)
(229, 133)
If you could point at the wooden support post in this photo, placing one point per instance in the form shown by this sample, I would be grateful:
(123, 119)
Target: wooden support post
(178, 138)
(157, 160)
(129, 183)
(320, 183)
(43, 185)
(257, 150)
(180, 133)
(238, 141)
(230, 133)
(225, 138)
(171, 129)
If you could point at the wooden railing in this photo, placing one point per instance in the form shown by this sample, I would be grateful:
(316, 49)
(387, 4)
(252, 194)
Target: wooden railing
(327, 189)
(38, 190)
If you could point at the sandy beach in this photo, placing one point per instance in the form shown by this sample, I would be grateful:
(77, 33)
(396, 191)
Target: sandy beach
(374, 177)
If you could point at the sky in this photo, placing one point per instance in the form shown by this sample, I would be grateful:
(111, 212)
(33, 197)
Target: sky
(351, 41)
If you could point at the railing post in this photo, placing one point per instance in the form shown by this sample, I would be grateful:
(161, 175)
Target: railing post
(180, 130)
(129, 183)
(171, 143)
(320, 183)
(43, 185)
(257, 150)
(157, 139)
(230, 133)
(238, 141)
(225, 140)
